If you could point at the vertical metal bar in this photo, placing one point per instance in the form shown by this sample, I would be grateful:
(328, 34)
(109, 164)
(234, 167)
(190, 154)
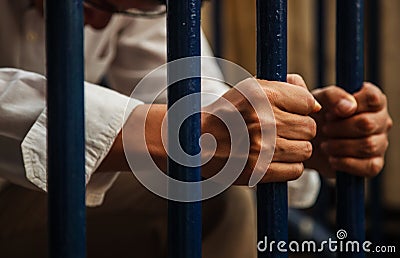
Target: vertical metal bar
(272, 209)
(373, 24)
(217, 17)
(320, 38)
(323, 204)
(66, 132)
(350, 76)
(184, 219)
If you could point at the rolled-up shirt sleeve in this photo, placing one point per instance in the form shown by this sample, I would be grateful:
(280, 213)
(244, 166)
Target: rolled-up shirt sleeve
(23, 131)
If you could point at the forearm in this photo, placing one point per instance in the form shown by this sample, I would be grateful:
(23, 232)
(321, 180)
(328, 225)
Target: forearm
(151, 116)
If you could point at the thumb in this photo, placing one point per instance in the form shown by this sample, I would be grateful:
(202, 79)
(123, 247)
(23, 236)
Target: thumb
(336, 102)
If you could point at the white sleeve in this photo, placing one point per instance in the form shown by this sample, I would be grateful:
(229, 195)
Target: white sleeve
(23, 119)
(22, 99)
(304, 191)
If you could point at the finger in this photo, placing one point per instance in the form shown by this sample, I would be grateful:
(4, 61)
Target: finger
(283, 172)
(296, 79)
(358, 126)
(370, 99)
(369, 167)
(291, 98)
(335, 101)
(294, 127)
(367, 147)
(291, 151)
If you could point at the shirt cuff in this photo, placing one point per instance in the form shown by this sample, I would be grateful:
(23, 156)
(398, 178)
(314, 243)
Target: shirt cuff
(304, 191)
(103, 122)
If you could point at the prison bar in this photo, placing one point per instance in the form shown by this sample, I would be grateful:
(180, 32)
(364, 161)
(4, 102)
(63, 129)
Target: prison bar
(272, 199)
(373, 65)
(66, 133)
(350, 76)
(323, 203)
(321, 43)
(183, 40)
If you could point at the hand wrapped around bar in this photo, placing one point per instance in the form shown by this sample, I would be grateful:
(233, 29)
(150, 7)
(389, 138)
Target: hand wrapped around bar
(352, 132)
(352, 139)
(291, 106)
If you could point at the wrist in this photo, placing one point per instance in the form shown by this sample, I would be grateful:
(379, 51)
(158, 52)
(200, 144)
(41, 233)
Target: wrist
(144, 122)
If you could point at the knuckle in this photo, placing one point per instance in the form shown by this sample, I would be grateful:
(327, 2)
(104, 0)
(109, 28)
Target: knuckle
(369, 86)
(280, 125)
(373, 97)
(296, 78)
(375, 166)
(308, 126)
(279, 148)
(369, 147)
(307, 151)
(331, 88)
(366, 125)
(389, 123)
(312, 128)
(332, 91)
(386, 143)
(255, 146)
(298, 169)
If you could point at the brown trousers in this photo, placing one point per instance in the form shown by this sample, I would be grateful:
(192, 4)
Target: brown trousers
(132, 222)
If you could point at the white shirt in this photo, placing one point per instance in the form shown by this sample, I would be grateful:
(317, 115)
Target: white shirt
(124, 52)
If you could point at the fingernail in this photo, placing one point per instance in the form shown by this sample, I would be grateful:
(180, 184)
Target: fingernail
(345, 105)
(317, 106)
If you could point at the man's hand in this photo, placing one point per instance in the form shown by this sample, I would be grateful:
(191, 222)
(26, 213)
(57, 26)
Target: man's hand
(352, 131)
(291, 106)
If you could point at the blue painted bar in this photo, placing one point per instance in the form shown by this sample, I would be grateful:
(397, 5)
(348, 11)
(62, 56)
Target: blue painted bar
(184, 219)
(321, 43)
(66, 133)
(350, 76)
(323, 203)
(373, 68)
(272, 200)
(373, 36)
